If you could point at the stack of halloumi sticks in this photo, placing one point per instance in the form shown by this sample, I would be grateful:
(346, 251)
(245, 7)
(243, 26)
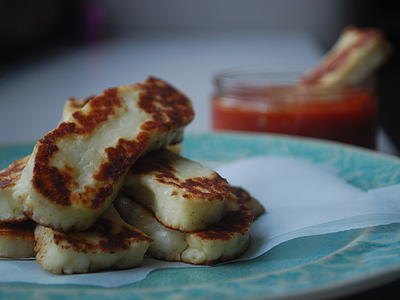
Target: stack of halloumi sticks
(112, 156)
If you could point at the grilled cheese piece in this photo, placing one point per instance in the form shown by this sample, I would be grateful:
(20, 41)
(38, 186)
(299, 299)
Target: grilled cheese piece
(356, 54)
(72, 105)
(76, 170)
(109, 244)
(241, 197)
(16, 239)
(222, 241)
(182, 194)
(10, 206)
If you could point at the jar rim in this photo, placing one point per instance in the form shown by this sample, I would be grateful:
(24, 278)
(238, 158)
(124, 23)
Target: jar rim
(245, 78)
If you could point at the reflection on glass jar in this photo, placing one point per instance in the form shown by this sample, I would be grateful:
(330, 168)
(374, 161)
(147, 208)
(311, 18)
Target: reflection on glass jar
(274, 102)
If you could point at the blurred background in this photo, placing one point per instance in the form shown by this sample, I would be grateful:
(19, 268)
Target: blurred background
(52, 50)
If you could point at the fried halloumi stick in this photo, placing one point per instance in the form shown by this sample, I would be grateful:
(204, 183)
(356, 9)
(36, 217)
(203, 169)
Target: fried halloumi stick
(356, 54)
(76, 170)
(109, 243)
(181, 193)
(16, 239)
(221, 241)
(10, 206)
(72, 105)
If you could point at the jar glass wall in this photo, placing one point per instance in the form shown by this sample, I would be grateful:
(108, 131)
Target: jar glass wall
(258, 101)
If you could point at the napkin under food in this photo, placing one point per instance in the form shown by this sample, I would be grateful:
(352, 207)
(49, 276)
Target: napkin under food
(301, 198)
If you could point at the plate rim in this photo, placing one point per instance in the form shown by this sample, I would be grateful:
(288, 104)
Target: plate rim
(299, 139)
(242, 134)
(350, 286)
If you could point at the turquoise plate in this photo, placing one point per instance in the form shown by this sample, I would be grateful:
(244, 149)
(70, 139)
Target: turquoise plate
(333, 264)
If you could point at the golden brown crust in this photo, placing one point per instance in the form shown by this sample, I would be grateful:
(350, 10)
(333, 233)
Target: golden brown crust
(52, 183)
(206, 188)
(10, 175)
(239, 196)
(177, 110)
(101, 196)
(102, 107)
(110, 240)
(242, 196)
(17, 229)
(160, 164)
(170, 110)
(234, 222)
(120, 157)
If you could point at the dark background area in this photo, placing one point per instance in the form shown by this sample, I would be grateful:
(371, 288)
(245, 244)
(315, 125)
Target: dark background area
(385, 15)
(31, 30)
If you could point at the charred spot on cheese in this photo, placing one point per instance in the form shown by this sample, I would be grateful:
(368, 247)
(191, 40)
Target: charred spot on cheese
(17, 229)
(66, 241)
(123, 155)
(242, 197)
(52, 183)
(101, 196)
(155, 162)
(5, 183)
(10, 175)
(17, 239)
(158, 93)
(46, 147)
(10, 206)
(108, 239)
(238, 221)
(207, 188)
(72, 105)
(102, 107)
(117, 241)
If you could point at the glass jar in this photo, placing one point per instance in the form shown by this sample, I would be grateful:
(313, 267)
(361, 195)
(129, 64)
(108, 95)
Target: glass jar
(258, 101)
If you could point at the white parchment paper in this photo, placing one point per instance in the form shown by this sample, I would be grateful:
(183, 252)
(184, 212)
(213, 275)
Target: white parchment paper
(301, 198)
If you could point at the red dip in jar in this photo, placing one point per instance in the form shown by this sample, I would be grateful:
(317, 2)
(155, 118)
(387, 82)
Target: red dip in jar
(259, 102)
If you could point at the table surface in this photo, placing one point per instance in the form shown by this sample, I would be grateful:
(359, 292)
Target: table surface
(33, 94)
